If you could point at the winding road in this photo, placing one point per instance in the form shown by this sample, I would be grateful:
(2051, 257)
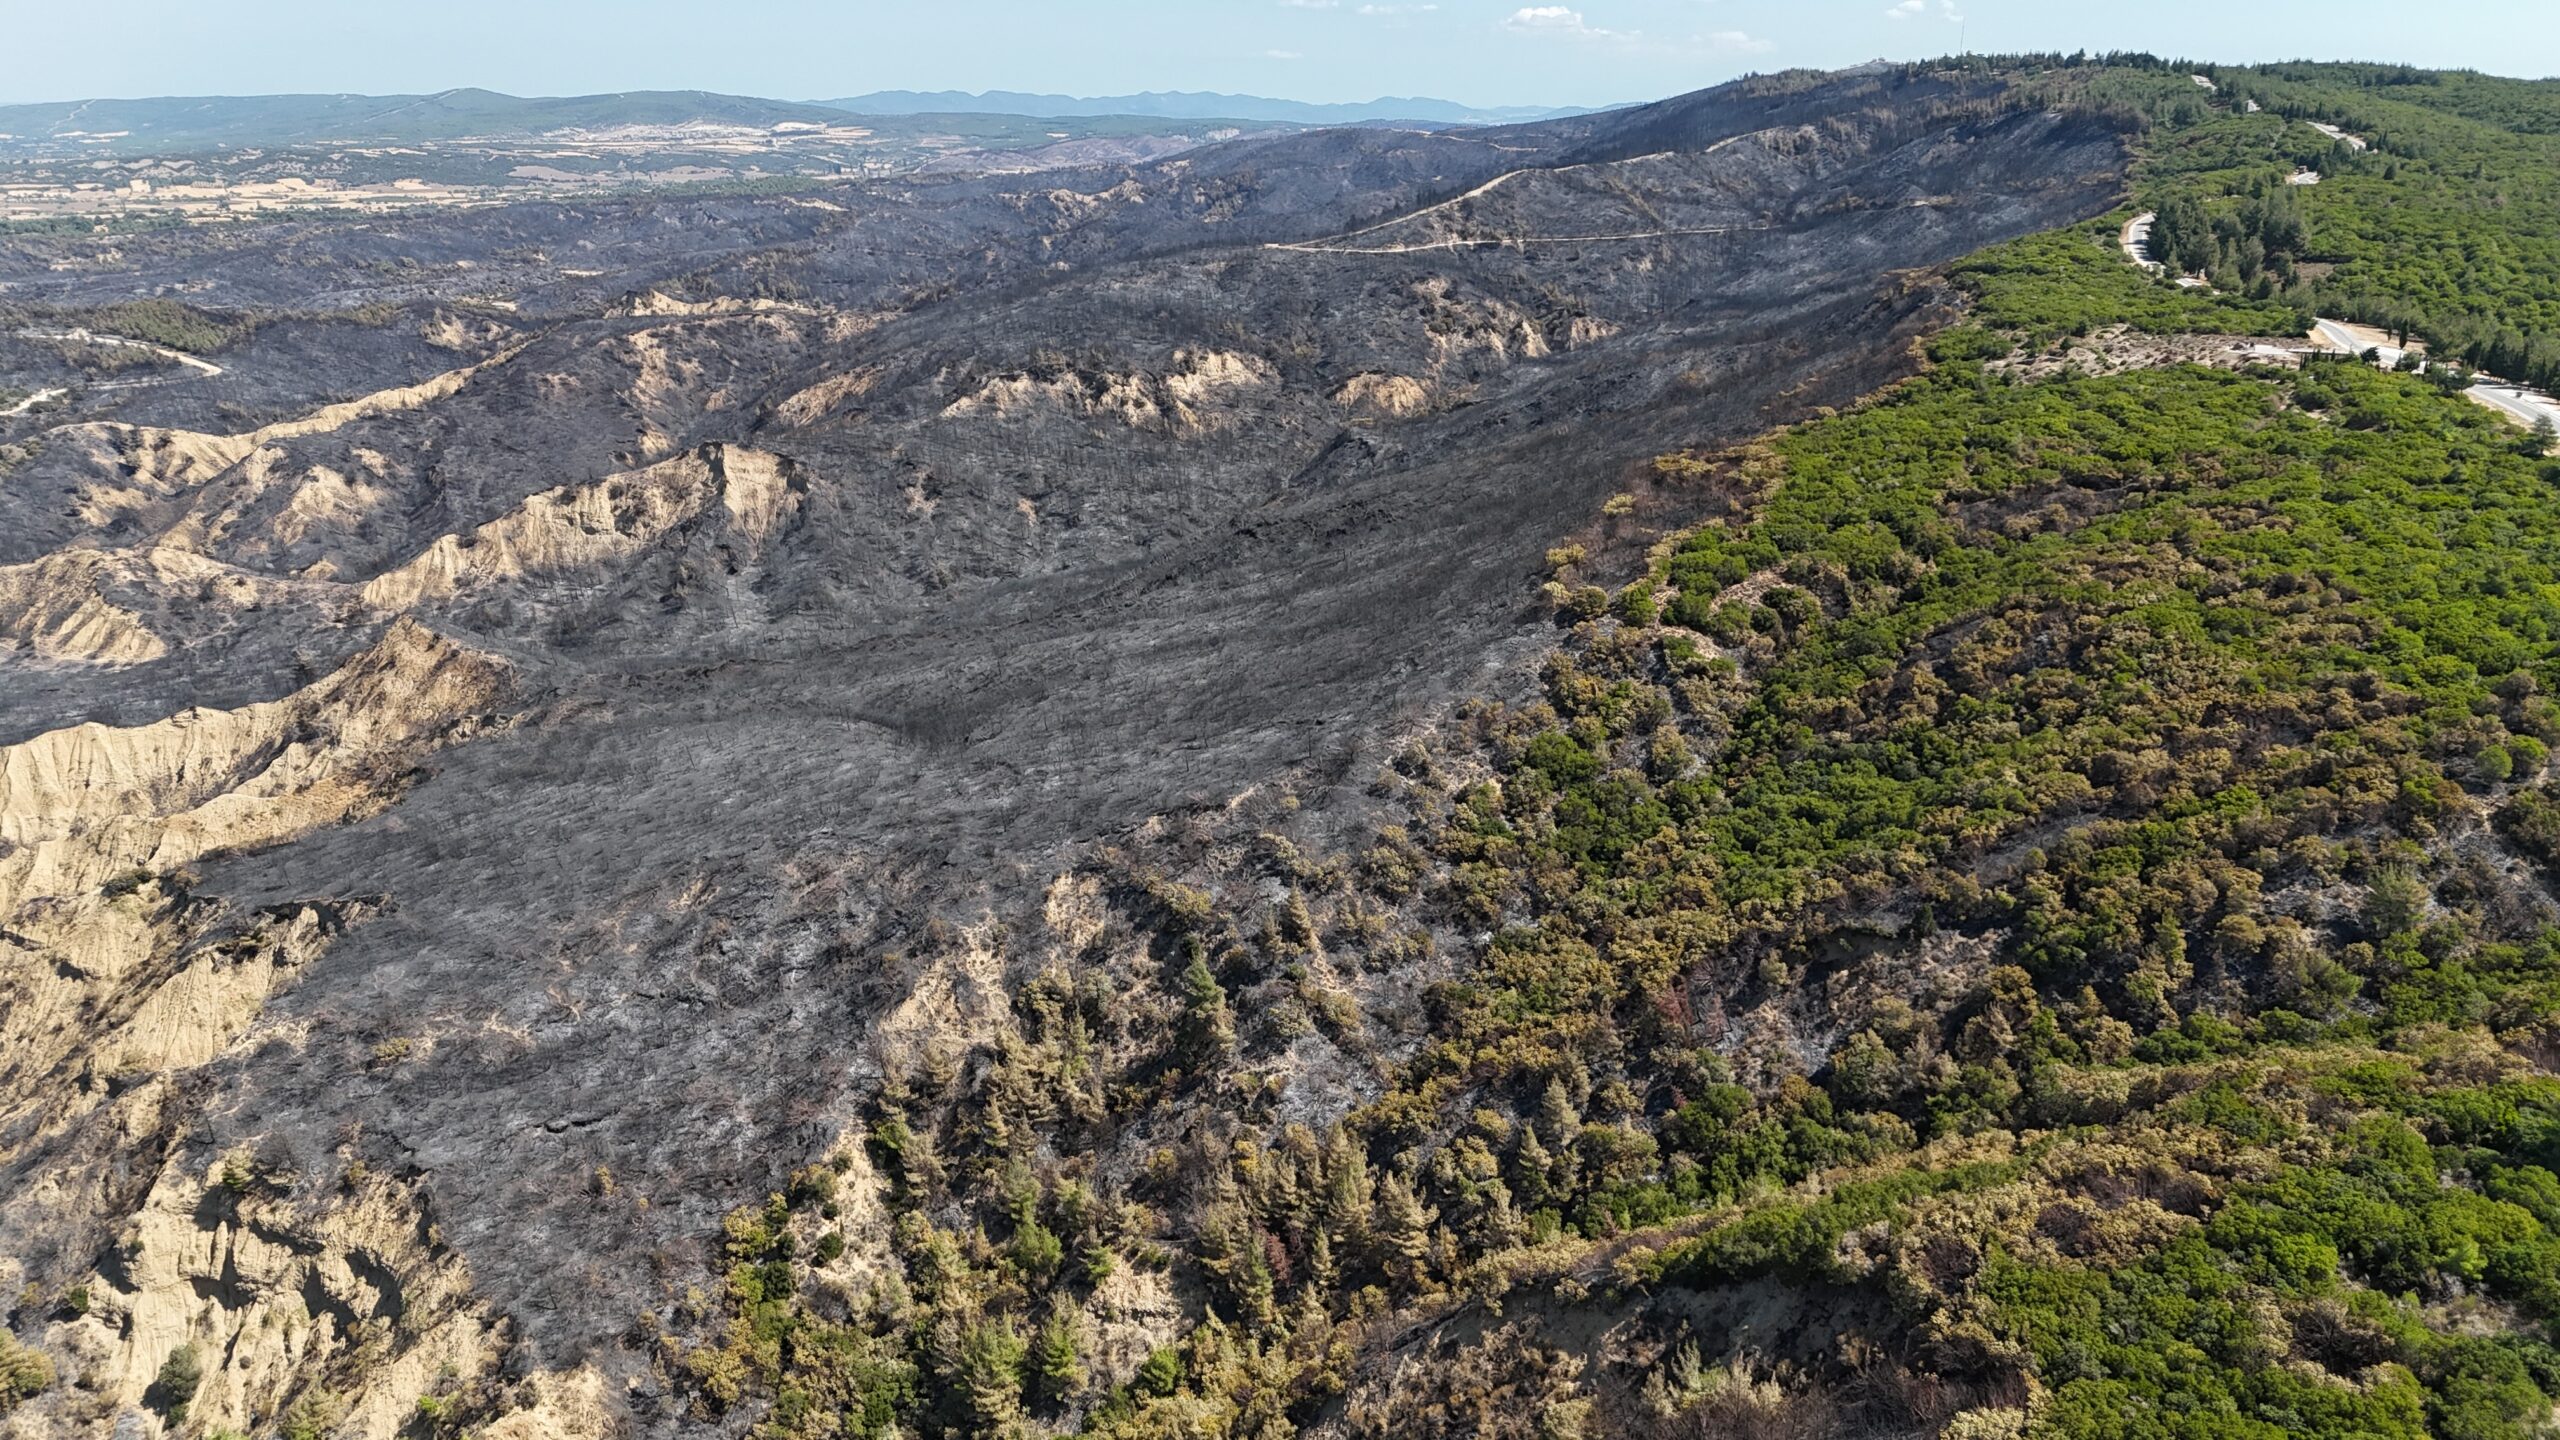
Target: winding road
(2136, 240)
(2525, 407)
(1454, 242)
(2520, 403)
(79, 336)
(202, 368)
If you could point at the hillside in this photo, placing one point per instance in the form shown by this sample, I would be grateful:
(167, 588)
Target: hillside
(1697, 771)
(1190, 105)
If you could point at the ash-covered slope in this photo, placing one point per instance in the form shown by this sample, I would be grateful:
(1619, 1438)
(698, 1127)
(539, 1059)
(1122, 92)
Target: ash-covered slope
(620, 741)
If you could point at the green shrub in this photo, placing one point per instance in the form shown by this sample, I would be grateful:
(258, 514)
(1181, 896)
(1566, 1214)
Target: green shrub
(174, 1387)
(23, 1372)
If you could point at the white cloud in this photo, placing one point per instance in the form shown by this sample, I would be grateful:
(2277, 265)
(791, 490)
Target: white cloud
(1284, 54)
(1916, 9)
(1558, 20)
(1310, 4)
(1397, 9)
(1568, 23)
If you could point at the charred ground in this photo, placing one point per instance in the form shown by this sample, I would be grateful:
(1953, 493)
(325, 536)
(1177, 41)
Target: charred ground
(663, 649)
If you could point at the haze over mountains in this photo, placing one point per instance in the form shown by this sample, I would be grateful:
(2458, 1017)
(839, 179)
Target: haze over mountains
(1194, 105)
(169, 122)
(164, 124)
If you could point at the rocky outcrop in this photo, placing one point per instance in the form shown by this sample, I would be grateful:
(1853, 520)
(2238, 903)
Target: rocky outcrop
(1387, 396)
(80, 806)
(55, 609)
(584, 528)
(117, 981)
(1189, 395)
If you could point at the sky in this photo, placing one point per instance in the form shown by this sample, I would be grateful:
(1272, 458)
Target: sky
(1479, 52)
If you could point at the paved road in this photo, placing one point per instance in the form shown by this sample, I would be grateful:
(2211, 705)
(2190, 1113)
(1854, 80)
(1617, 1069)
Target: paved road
(2136, 240)
(2350, 339)
(2517, 403)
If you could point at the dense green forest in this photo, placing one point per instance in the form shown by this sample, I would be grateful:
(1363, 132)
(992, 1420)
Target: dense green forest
(2048, 890)
(2446, 226)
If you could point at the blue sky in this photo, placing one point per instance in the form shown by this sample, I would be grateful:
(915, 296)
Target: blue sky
(1478, 51)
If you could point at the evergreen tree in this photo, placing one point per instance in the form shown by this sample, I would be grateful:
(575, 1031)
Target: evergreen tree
(1558, 1120)
(1322, 1271)
(990, 1375)
(1402, 1232)
(1531, 1166)
(1058, 1356)
(1206, 1030)
(1348, 1194)
(174, 1388)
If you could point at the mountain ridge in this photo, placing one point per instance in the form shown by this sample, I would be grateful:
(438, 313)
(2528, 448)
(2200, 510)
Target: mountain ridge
(1197, 105)
(214, 120)
(165, 123)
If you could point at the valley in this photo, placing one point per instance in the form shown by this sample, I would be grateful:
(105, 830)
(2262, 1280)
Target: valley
(1696, 770)
(118, 166)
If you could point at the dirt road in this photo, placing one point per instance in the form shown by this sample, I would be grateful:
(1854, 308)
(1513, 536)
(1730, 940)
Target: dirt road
(79, 336)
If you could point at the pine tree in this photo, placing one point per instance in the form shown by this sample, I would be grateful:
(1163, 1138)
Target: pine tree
(1348, 1195)
(1206, 1030)
(1161, 1374)
(1558, 1120)
(1402, 1231)
(1322, 1272)
(1057, 1357)
(1530, 1167)
(991, 1375)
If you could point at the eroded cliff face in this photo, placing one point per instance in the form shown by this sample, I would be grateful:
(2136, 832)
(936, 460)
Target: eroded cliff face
(120, 985)
(460, 842)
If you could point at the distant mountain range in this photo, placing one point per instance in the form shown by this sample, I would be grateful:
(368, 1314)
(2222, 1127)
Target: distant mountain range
(170, 124)
(204, 121)
(1190, 105)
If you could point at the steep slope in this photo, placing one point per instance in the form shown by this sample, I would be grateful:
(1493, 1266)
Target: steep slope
(630, 754)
